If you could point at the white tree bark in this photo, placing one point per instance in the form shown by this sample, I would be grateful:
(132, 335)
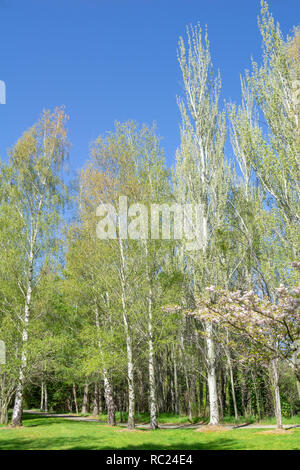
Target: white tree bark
(131, 392)
(188, 389)
(227, 352)
(276, 394)
(176, 402)
(85, 399)
(211, 375)
(108, 394)
(75, 398)
(96, 400)
(45, 398)
(42, 397)
(35, 227)
(152, 385)
(17, 410)
(236, 415)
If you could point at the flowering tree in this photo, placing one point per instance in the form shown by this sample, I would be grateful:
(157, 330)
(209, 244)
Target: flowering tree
(273, 328)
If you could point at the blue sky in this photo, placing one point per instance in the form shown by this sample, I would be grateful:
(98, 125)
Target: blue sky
(108, 60)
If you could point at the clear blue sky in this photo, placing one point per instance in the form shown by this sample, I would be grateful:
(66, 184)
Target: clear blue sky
(109, 60)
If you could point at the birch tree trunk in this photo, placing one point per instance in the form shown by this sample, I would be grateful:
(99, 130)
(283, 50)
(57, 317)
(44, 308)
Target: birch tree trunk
(17, 410)
(152, 386)
(131, 393)
(188, 390)
(211, 376)
(256, 394)
(75, 398)
(35, 226)
(276, 394)
(46, 398)
(4, 402)
(3, 413)
(42, 397)
(109, 399)
(176, 408)
(85, 399)
(96, 400)
(236, 415)
(227, 352)
(298, 387)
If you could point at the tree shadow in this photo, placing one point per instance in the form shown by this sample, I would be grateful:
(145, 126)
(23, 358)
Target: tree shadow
(77, 443)
(33, 420)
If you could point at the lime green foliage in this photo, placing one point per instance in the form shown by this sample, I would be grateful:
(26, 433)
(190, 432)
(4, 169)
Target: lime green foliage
(53, 433)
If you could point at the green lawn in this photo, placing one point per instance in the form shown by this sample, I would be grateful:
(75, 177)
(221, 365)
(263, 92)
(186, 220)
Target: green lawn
(55, 433)
(164, 418)
(170, 418)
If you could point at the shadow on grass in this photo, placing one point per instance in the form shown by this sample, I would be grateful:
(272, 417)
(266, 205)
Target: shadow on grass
(32, 420)
(76, 443)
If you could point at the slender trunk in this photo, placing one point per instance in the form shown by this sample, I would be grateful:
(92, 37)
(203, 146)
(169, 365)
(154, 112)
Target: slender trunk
(108, 394)
(256, 395)
(200, 395)
(131, 394)
(211, 375)
(18, 405)
(85, 399)
(4, 415)
(3, 411)
(152, 386)
(75, 398)
(276, 394)
(188, 391)
(193, 396)
(17, 410)
(121, 408)
(236, 415)
(96, 400)
(109, 400)
(100, 399)
(176, 408)
(296, 366)
(42, 397)
(298, 387)
(220, 385)
(69, 403)
(45, 398)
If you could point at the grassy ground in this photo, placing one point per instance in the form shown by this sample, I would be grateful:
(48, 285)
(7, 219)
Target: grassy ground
(169, 418)
(164, 418)
(56, 433)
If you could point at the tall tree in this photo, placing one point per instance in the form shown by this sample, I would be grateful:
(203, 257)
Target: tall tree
(36, 192)
(201, 177)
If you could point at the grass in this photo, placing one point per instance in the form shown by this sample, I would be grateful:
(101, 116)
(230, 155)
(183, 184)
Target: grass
(56, 433)
(170, 418)
(272, 420)
(141, 418)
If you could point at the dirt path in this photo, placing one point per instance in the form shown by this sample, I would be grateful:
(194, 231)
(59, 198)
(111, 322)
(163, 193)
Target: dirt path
(161, 426)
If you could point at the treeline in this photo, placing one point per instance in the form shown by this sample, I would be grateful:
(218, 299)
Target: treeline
(98, 316)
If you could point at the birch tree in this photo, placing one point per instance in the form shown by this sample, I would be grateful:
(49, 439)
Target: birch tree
(200, 174)
(266, 128)
(36, 193)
